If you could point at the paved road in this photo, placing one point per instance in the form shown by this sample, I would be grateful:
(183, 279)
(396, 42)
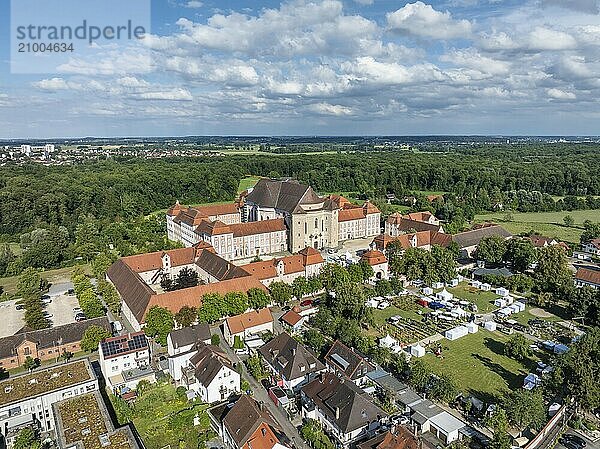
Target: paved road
(260, 394)
(590, 444)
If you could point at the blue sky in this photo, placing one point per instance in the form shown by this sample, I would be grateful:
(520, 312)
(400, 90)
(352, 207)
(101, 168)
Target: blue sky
(322, 67)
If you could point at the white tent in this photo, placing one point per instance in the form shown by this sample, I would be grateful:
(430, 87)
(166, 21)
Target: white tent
(500, 302)
(476, 284)
(506, 311)
(459, 311)
(427, 291)
(444, 295)
(437, 285)
(520, 305)
(417, 351)
(501, 291)
(454, 283)
(490, 326)
(514, 308)
(372, 303)
(509, 299)
(472, 327)
(390, 342)
(456, 333)
(485, 287)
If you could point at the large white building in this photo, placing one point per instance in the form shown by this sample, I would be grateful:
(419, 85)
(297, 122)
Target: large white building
(273, 217)
(27, 400)
(125, 360)
(306, 263)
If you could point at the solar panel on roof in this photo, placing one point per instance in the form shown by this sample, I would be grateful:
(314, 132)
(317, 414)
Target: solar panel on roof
(122, 345)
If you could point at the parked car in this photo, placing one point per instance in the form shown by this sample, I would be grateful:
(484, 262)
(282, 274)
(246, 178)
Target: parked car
(306, 303)
(77, 310)
(20, 307)
(70, 291)
(80, 317)
(46, 299)
(574, 438)
(569, 444)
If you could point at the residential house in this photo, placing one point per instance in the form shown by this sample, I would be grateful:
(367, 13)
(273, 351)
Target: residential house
(26, 400)
(340, 407)
(346, 362)
(292, 321)
(540, 241)
(587, 277)
(377, 260)
(592, 247)
(125, 360)
(210, 374)
(247, 424)
(182, 345)
(290, 362)
(45, 344)
(398, 438)
(250, 323)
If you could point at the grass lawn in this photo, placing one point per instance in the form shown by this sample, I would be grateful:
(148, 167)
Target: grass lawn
(58, 275)
(246, 183)
(526, 315)
(380, 317)
(483, 300)
(478, 365)
(165, 420)
(549, 224)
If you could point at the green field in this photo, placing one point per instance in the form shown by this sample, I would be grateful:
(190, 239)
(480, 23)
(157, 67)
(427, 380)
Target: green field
(478, 365)
(248, 182)
(483, 300)
(58, 275)
(165, 420)
(549, 224)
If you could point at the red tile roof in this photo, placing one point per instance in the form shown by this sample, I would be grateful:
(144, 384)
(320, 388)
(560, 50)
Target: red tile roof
(218, 209)
(373, 257)
(239, 323)
(588, 275)
(351, 213)
(291, 264)
(291, 317)
(153, 261)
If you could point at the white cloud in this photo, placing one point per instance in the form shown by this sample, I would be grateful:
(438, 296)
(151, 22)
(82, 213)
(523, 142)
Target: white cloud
(586, 6)
(472, 59)
(178, 94)
(51, 85)
(331, 109)
(364, 2)
(193, 4)
(420, 19)
(558, 94)
(542, 39)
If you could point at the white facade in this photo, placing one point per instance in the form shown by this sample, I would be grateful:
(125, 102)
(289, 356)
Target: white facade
(223, 385)
(113, 366)
(37, 409)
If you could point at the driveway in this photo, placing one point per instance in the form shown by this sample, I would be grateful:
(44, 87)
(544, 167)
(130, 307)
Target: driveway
(261, 395)
(61, 309)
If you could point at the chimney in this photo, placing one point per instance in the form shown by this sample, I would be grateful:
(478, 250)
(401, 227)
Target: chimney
(261, 406)
(293, 351)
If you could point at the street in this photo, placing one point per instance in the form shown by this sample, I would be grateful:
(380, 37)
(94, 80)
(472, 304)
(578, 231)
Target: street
(261, 395)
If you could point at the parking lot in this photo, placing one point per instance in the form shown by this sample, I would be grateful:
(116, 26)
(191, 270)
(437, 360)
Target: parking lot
(351, 246)
(61, 309)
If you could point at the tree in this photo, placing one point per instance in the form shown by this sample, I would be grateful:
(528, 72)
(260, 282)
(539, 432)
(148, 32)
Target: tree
(525, 408)
(314, 339)
(255, 367)
(100, 265)
(212, 308)
(215, 339)
(66, 355)
(110, 296)
(300, 287)
(552, 271)
(281, 293)
(491, 249)
(159, 323)
(92, 336)
(517, 347)
(332, 276)
(367, 270)
(186, 278)
(499, 424)
(577, 371)
(236, 303)
(30, 363)
(90, 304)
(569, 220)
(585, 302)
(6, 258)
(258, 298)
(186, 316)
(443, 388)
(520, 253)
(383, 287)
(27, 438)
(355, 272)
(419, 375)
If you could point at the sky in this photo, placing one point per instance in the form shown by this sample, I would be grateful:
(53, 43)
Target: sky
(322, 67)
